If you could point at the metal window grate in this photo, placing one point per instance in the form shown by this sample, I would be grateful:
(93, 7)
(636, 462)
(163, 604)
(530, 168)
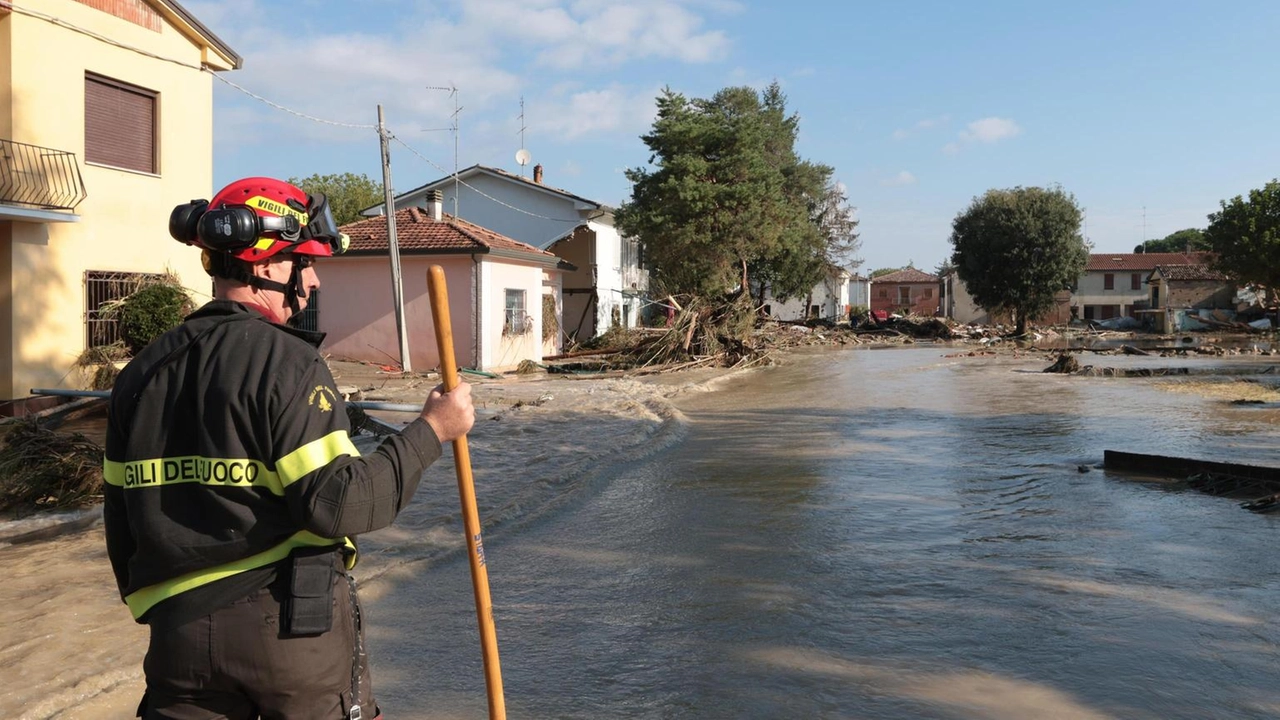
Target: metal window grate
(309, 318)
(101, 287)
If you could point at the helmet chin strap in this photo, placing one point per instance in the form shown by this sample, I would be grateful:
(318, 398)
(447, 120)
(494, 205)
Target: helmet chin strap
(293, 290)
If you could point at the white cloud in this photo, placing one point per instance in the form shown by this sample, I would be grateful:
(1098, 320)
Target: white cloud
(902, 178)
(575, 114)
(925, 124)
(588, 34)
(987, 131)
(492, 51)
(990, 130)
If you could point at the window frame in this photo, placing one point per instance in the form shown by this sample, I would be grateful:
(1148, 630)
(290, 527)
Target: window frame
(101, 134)
(515, 318)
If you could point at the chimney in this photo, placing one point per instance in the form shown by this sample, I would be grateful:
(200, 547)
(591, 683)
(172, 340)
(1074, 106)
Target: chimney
(537, 173)
(435, 204)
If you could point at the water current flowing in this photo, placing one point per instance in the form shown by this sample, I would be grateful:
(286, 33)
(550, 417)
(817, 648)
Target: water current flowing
(861, 534)
(870, 534)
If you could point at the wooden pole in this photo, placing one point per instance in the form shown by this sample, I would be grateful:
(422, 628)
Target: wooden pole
(467, 493)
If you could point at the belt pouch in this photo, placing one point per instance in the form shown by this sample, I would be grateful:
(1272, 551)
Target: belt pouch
(310, 603)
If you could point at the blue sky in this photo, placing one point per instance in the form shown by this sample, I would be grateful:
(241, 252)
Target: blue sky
(1150, 113)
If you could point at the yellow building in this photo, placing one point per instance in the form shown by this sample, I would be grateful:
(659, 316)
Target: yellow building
(106, 123)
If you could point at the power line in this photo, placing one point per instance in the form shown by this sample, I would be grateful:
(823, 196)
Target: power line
(359, 126)
(476, 190)
(199, 68)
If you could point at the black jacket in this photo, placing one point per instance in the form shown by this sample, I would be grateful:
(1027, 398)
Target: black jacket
(227, 448)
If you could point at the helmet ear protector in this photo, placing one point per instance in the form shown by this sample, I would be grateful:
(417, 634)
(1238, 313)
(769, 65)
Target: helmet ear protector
(232, 228)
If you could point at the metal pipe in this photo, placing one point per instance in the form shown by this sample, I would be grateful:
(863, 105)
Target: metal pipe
(362, 404)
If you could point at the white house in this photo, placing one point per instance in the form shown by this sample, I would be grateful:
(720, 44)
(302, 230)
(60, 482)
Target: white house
(503, 294)
(859, 291)
(607, 285)
(828, 300)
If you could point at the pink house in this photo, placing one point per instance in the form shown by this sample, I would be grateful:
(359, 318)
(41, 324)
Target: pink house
(504, 296)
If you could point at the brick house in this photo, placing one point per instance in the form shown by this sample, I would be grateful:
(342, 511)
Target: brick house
(1176, 289)
(908, 290)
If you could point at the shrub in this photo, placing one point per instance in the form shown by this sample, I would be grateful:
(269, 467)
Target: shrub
(150, 311)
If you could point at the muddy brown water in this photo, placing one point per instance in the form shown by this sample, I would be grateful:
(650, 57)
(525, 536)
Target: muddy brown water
(866, 534)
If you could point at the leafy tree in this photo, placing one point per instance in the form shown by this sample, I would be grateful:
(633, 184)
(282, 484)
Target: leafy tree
(1175, 242)
(944, 268)
(1245, 236)
(348, 193)
(727, 204)
(885, 271)
(1015, 249)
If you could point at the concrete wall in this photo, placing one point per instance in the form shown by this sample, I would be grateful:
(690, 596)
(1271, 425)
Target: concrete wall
(961, 306)
(1198, 294)
(123, 225)
(860, 292)
(552, 283)
(357, 313)
(504, 350)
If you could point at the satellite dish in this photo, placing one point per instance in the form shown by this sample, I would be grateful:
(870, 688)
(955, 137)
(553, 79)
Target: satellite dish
(523, 157)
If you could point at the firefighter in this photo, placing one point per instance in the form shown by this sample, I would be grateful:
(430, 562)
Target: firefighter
(233, 491)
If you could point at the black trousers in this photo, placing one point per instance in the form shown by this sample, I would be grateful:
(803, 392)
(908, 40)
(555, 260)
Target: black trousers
(238, 664)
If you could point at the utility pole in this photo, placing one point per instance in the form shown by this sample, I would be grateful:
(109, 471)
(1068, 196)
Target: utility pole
(393, 246)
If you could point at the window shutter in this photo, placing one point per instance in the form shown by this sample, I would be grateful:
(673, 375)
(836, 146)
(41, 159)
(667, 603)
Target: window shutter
(119, 125)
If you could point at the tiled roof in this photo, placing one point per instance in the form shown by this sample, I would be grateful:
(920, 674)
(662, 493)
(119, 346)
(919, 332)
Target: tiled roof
(1107, 262)
(416, 231)
(1189, 272)
(908, 275)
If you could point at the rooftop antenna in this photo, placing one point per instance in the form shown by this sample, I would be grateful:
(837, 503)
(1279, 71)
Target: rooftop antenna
(522, 155)
(453, 90)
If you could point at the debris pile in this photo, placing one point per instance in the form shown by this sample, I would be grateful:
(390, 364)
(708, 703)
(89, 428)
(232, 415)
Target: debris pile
(42, 469)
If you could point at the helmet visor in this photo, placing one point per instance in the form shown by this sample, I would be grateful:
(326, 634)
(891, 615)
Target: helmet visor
(322, 226)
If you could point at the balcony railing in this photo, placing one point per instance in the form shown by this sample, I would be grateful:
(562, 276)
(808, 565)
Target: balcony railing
(39, 177)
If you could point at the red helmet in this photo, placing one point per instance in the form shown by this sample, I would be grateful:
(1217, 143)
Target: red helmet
(255, 218)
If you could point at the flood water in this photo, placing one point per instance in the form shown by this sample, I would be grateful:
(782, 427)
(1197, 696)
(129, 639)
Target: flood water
(868, 534)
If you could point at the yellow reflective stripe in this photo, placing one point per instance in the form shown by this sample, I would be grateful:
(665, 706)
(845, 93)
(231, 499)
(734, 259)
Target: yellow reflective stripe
(315, 455)
(220, 472)
(145, 598)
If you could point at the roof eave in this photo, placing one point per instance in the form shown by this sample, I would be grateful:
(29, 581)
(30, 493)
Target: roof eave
(223, 57)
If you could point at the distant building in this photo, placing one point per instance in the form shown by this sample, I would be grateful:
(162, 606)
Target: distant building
(828, 300)
(1177, 290)
(1114, 284)
(909, 290)
(504, 296)
(609, 283)
(960, 306)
